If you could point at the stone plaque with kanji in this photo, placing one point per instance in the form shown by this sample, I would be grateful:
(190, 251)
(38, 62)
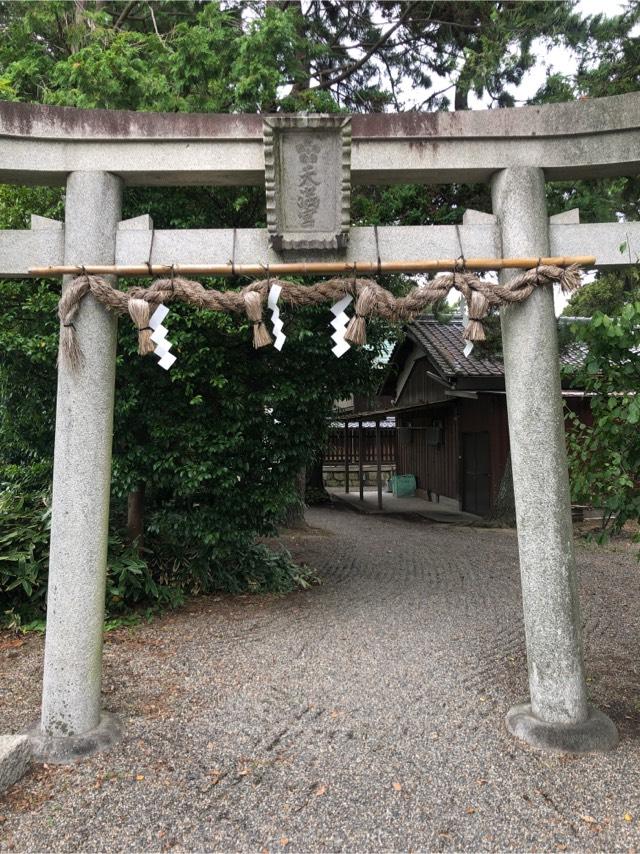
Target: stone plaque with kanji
(307, 177)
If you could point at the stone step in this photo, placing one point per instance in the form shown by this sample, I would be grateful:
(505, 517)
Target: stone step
(15, 756)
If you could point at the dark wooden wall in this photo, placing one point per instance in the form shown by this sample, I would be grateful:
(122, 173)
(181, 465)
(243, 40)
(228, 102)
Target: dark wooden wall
(435, 467)
(489, 414)
(421, 388)
(438, 468)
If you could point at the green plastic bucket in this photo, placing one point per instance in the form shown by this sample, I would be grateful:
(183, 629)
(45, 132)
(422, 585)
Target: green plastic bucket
(404, 485)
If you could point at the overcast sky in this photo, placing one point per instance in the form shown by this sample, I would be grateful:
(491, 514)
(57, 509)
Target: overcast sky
(556, 59)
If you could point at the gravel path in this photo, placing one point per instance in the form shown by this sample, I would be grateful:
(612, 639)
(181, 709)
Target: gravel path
(364, 715)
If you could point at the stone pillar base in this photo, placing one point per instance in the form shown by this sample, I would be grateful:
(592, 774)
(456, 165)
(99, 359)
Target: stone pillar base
(69, 748)
(597, 733)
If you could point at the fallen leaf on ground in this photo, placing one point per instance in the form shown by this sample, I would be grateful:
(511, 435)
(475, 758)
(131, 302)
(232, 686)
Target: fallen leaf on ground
(482, 782)
(320, 790)
(284, 840)
(589, 819)
(470, 810)
(15, 643)
(397, 787)
(139, 777)
(628, 816)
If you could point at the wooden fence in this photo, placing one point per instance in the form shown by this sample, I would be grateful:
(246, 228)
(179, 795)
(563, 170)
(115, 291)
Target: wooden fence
(334, 450)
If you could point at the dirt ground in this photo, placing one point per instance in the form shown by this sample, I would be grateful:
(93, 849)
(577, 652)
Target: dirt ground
(364, 714)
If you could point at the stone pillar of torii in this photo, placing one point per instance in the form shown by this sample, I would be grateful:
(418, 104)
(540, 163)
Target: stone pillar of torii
(307, 165)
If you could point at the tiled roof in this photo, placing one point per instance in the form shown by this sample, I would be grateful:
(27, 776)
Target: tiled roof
(573, 355)
(444, 344)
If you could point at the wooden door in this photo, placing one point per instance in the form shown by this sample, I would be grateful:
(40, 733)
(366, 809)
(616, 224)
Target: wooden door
(475, 473)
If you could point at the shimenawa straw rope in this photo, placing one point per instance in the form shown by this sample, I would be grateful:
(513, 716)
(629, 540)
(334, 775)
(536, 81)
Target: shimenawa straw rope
(371, 300)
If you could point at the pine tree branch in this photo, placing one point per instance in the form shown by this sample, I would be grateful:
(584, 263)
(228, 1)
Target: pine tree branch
(125, 14)
(392, 83)
(155, 26)
(356, 66)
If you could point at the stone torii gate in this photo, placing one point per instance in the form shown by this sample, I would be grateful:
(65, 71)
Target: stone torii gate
(96, 153)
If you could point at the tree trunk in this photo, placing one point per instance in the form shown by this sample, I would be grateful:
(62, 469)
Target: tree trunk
(80, 24)
(461, 101)
(315, 478)
(315, 489)
(463, 86)
(302, 58)
(504, 508)
(135, 516)
(294, 516)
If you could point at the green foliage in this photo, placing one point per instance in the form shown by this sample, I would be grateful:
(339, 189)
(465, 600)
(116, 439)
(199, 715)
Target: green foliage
(24, 552)
(608, 64)
(219, 440)
(25, 522)
(257, 56)
(608, 294)
(604, 457)
(610, 60)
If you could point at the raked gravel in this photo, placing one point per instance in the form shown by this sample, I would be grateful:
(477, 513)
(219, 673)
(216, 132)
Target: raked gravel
(365, 714)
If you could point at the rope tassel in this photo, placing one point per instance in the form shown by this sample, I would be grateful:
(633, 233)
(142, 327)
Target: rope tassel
(68, 308)
(69, 347)
(253, 308)
(571, 279)
(140, 312)
(478, 307)
(474, 331)
(357, 329)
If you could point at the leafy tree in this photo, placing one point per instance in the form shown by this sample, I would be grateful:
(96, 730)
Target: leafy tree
(608, 64)
(260, 56)
(218, 459)
(604, 458)
(608, 294)
(216, 443)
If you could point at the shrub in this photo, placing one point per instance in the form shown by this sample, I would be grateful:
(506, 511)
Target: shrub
(147, 578)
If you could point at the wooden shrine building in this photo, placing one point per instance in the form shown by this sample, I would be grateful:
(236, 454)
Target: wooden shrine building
(451, 414)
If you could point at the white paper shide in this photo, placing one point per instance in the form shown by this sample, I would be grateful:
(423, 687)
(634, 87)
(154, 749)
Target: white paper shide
(272, 303)
(159, 337)
(339, 323)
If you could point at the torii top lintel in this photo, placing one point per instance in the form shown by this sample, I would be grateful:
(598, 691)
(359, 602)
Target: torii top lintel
(584, 139)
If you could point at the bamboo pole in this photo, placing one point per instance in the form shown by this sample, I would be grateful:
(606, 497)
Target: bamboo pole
(312, 268)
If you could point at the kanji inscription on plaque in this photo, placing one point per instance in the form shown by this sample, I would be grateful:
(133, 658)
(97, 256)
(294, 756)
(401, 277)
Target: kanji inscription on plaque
(307, 178)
